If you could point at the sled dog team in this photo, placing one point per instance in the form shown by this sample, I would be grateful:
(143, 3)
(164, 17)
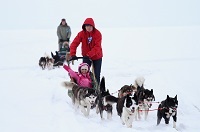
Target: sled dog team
(132, 100)
(50, 63)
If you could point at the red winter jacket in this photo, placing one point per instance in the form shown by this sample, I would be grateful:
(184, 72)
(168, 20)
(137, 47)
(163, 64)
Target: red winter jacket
(93, 49)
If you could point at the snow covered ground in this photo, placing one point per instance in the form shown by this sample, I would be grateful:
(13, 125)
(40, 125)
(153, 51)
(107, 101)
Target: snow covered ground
(33, 100)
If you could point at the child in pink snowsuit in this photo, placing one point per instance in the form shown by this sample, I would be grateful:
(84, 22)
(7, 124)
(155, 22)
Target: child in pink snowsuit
(82, 77)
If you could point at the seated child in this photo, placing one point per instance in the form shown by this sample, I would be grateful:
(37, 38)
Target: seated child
(82, 77)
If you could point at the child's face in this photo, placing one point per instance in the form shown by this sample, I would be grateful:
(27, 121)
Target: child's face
(84, 71)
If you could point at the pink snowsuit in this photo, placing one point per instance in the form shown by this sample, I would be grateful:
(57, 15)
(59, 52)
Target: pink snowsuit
(82, 80)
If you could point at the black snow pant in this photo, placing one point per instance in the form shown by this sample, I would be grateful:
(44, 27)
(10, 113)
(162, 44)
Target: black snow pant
(97, 67)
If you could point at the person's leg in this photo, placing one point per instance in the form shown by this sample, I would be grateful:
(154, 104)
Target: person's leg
(97, 69)
(87, 61)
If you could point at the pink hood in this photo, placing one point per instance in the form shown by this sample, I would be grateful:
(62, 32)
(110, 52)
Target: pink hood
(83, 64)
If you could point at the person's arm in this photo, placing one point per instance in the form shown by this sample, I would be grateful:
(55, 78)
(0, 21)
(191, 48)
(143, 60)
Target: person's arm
(69, 34)
(75, 44)
(71, 72)
(58, 33)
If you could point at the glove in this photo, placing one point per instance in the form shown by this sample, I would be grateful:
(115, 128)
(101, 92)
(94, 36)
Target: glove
(86, 57)
(74, 58)
(60, 40)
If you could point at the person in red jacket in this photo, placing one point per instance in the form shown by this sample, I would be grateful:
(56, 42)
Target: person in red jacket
(91, 48)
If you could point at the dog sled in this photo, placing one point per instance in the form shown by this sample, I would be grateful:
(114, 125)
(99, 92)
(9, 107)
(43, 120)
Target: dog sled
(64, 50)
(91, 74)
(61, 55)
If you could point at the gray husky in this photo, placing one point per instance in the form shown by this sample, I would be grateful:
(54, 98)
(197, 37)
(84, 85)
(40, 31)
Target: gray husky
(83, 97)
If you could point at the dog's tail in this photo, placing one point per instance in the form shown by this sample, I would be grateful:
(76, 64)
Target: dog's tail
(68, 85)
(139, 82)
(102, 84)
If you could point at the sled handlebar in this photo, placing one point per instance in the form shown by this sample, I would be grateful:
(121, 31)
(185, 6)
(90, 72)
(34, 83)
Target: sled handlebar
(77, 58)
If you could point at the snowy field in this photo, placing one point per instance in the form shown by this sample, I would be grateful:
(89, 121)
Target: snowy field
(33, 100)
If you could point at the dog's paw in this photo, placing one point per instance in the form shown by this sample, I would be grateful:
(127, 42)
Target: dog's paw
(102, 118)
(86, 114)
(130, 126)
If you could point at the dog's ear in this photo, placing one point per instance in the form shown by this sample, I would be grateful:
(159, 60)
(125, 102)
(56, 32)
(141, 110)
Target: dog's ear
(86, 92)
(56, 52)
(168, 97)
(175, 97)
(52, 54)
(107, 90)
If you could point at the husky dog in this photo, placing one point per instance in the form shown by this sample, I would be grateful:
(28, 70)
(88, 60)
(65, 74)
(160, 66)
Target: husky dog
(129, 89)
(126, 89)
(46, 62)
(105, 101)
(166, 109)
(145, 98)
(49, 62)
(126, 109)
(83, 97)
(57, 60)
(42, 62)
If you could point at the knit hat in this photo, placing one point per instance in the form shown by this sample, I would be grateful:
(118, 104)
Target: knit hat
(63, 19)
(83, 66)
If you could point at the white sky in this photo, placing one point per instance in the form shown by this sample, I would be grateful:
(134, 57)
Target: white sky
(37, 14)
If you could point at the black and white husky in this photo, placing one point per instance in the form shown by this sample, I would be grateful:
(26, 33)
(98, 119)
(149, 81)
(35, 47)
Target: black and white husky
(49, 63)
(126, 109)
(166, 109)
(42, 62)
(83, 97)
(105, 101)
(58, 61)
(46, 62)
(145, 98)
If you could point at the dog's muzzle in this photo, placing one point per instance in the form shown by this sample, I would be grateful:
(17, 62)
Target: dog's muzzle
(133, 109)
